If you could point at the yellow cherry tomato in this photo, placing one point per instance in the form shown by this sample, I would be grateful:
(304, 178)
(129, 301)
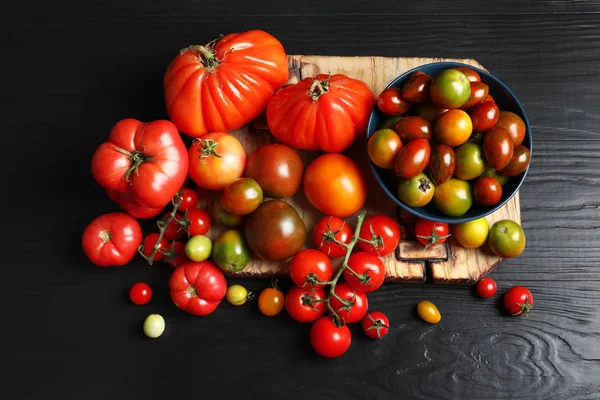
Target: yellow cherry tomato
(271, 301)
(472, 234)
(236, 295)
(429, 312)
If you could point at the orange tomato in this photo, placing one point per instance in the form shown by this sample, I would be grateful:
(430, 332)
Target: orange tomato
(453, 128)
(335, 185)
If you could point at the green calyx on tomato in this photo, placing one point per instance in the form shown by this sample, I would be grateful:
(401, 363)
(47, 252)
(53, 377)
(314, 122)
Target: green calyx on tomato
(209, 148)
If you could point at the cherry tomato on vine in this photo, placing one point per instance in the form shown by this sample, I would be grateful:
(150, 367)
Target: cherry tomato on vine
(303, 304)
(140, 293)
(198, 222)
(357, 303)
(428, 312)
(189, 200)
(370, 270)
(431, 233)
(310, 266)
(271, 301)
(339, 229)
(175, 254)
(384, 230)
(149, 243)
(174, 229)
(518, 300)
(329, 340)
(375, 325)
(486, 288)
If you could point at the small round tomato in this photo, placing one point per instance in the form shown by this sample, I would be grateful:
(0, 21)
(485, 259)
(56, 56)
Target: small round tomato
(242, 196)
(329, 340)
(469, 161)
(335, 185)
(140, 293)
(453, 197)
(365, 272)
(491, 172)
(216, 160)
(471, 234)
(391, 103)
(450, 88)
(442, 163)
(513, 124)
(498, 148)
(486, 288)
(429, 111)
(357, 303)
(507, 238)
(375, 325)
(471, 74)
(416, 88)
(328, 228)
(518, 163)
(174, 229)
(416, 192)
(484, 116)
(224, 218)
(236, 295)
(277, 169)
(518, 300)
(453, 128)
(383, 147)
(487, 191)
(428, 312)
(271, 301)
(479, 92)
(154, 325)
(431, 233)
(175, 254)
(384, 231)
(198, 248)
(198, 222)
(413, 127)
(305, 304)
(189, 200)
(412, 158)
(310, 266)
(149, 244)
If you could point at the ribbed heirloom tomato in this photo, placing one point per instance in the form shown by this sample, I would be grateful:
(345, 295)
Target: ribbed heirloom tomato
(225, 84)
(197, 287)
(111, 240)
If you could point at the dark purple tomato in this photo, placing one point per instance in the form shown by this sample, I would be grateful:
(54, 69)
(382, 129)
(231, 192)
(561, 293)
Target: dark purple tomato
(416, 88)
(391, 103)
(487, 191)
(518, 162)
(442, 163)
(498, 147)
(412, 159)
(513, 124)
(413, 127)
(484, 116)
(277, 168)
(479, 92)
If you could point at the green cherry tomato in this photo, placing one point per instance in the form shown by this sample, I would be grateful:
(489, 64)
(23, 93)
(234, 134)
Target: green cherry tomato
(198, 248)
(154, 325)
(230, 251)
(469, 161)
(450, 89)
(416, 192)
(236, 295)
(453, 197)
(507, 238)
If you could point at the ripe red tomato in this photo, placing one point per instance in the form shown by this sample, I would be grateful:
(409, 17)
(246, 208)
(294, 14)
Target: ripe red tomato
(479, 92)
(111, 240)
(277, 169)
(149, 243)
(357, 308)
(431, 233)
(335, 185)
(326, 112)
(513, 124)
(339, 229)
(127, 202)
(391, 103)
(303, 304)
(312, 265)
(140, 293)
(197, 287)
(413, 127)
(174, 229)
(412, 158)
(175, 254)
(486, 288)
(198, 222)
(518, 163)
(375, 325)
(518, 300)
(384, 230)
(329, 340)
(471, 74)
(498, 147)
(416, 88)
(487, 191)
(370, 269)
(216, 160)
(189, 200)
(484, 116)
(271, 301)
(147, 159)
(225, 84)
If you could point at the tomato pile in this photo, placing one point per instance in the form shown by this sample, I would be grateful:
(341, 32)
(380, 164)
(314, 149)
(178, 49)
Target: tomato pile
(148, 170)
(448, 142)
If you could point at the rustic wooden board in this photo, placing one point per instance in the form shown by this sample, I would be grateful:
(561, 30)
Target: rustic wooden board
(450, 264)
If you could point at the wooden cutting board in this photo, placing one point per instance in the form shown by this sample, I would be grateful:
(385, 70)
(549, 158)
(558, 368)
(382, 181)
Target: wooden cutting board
(449, 264)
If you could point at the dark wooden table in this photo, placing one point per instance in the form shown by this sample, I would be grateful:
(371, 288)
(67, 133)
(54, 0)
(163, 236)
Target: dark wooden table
(71, 69)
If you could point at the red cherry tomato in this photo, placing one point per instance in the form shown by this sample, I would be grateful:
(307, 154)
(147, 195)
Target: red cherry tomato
(339, 229)
(431, 233)
(357, 303)
(189, 200)
(384, 230)
(391, 103)
(198, 222)
(329, 340)
(140, 293)
(518, 300)
(486, 288)
(149, 242)
(308, 266)
(174, 229)
(370, 269)
(375, 325)
(303, 304)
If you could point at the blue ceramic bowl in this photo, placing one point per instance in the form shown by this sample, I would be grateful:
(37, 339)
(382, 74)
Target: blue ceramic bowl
(506, 101)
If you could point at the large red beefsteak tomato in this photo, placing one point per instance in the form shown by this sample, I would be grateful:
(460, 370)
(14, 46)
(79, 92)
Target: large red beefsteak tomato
(148, 159)
(197, 287)
(225, 84)
(323, 113)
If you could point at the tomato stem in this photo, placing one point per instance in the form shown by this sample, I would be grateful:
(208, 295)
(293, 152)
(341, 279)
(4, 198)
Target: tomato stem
(136, 159)
(206, 55)
(317, 88)
(209, 148)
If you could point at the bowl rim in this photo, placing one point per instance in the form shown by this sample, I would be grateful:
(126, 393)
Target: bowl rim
(448, 219)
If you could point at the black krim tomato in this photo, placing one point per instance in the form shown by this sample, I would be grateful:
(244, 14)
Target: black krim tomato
(416, 88)
(412, 158)
(416, 192)
(487, 191)
(484, 116)
(442, 163)
(413, 127)
(518, 163)
(275, 231)
(277, 168)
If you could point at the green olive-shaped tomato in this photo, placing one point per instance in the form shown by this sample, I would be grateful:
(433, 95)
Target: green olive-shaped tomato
(230, 251)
